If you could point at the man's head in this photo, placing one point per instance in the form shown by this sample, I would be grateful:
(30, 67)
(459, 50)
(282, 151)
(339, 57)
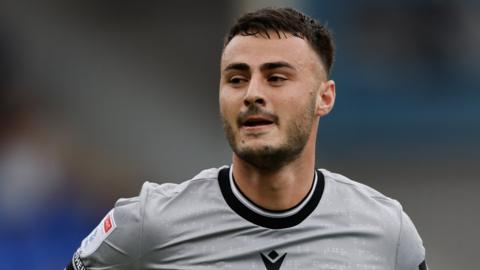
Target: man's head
(274, 86)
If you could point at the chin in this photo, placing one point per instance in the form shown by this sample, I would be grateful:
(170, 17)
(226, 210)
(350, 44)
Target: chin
(256, 145)
(258, 148)
(264, 157)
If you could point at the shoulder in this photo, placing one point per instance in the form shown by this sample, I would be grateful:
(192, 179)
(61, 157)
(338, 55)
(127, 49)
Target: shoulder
(167, 209)
(168, 191)
(370, 204)
(363, 205)
(131, 223)
(157, 200)
(357, 192)
(154, 193)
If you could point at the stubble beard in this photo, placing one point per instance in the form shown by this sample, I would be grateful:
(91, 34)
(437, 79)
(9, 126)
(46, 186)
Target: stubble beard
(270, 157)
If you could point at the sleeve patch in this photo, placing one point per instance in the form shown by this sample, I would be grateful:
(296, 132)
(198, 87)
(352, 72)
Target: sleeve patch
(93, 241)
(77, 262)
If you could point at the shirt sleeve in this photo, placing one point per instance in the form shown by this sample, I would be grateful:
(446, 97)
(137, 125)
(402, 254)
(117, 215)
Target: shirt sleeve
(410, 250)
(115, 242)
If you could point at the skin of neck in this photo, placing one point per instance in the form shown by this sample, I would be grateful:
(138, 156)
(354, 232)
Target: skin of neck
(281, 189)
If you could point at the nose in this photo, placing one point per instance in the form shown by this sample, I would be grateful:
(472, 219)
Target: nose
(254, 94)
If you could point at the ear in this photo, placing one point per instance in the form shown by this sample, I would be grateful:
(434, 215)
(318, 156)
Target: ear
(326, 97)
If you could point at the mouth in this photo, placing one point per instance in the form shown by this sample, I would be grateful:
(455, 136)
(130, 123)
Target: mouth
(254, 122)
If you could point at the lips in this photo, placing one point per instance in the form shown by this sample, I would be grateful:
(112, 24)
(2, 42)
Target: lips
(255, 121)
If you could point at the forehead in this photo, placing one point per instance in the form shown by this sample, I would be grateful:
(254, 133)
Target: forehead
(256, 50)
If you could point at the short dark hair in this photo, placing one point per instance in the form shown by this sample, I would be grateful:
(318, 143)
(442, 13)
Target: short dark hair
(287, 20)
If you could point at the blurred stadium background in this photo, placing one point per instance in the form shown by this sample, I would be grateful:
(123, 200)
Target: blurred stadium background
(98, 96)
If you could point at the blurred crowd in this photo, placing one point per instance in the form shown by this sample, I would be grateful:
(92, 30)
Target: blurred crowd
(53, 189)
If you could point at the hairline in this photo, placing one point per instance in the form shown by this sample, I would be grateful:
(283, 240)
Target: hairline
(278, 33)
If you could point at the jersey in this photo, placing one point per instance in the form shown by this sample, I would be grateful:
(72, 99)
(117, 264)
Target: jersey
(208, 223)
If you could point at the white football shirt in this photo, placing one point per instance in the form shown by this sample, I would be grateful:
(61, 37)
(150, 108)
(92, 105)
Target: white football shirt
(208, 223)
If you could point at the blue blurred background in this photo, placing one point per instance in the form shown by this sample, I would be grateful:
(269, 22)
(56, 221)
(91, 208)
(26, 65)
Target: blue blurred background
(98, 96)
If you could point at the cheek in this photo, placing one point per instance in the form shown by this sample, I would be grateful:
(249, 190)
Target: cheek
(294, 102)
(227, 108)
(223, 99)
(295, 109)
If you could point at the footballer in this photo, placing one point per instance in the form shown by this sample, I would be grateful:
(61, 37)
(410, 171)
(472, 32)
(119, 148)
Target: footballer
(271, 208)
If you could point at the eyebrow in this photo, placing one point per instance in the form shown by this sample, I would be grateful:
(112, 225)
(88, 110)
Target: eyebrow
(237, 66)
(263, 67)
(275, 65)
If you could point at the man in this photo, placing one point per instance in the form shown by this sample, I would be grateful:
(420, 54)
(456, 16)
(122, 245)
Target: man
(271, 209)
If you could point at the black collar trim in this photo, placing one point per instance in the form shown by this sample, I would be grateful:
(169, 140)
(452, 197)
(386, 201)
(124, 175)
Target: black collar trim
(267, 212)
(275, 220)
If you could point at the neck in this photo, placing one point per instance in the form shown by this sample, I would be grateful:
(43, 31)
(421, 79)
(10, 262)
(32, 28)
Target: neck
(281, 189)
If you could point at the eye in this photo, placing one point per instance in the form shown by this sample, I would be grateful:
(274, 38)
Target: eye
(276, 79)
(237, 79)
